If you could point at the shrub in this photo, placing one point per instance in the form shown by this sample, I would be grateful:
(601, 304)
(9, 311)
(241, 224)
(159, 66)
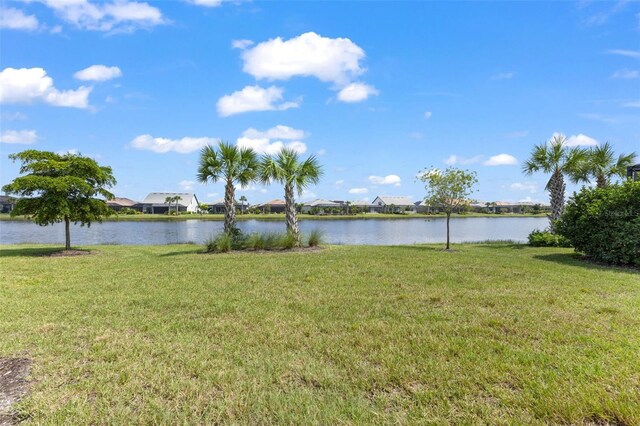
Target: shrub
(287, 241)
(315, 238)
(221, 243)
(539, 238)
(604, 223)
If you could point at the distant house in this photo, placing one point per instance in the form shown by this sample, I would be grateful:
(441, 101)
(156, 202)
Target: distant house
(7, 204)
(118, 204)
(218, 206)
(322, 207)
(360, 206)
(633, 172)
(392, 204)
(155, 202)
(273, 206)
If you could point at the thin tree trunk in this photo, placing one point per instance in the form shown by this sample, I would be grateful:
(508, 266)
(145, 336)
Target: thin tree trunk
(67, 234)
(230, 207)
(601, 181)
(448, 217)
(556, 188)
(290, 210)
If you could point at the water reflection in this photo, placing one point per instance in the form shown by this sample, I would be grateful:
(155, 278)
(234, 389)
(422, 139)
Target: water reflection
(374, 232)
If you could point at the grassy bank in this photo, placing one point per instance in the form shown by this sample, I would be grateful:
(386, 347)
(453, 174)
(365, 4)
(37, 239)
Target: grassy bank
(281, 217)
(493, 334)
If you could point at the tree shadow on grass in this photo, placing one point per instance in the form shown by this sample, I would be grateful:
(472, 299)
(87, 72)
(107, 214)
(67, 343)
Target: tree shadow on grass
(37, 251)
(194, 250)
(576, 259)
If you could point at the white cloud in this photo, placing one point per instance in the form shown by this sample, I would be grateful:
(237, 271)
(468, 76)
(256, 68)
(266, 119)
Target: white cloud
(251, 188)
(503, 76)
(15, 19)
(335, 60)
(263, 141)
(118, 15)
(206, 3)
(339, 182)
(28, 85)
(7, 116)
(163, 145)
(524, 186)
(454, 159)
(625, 52)
(241, 44)
(501, 160)
(415, 135)
(253, 98)
(581, 140)
(212, 194)
(98, 73)
(356, 92)
(23, 137)
(385, 180)
(186, 184)
(632, 104)
(626, 74)
(427, 115)
(358, 191)
(321, 152)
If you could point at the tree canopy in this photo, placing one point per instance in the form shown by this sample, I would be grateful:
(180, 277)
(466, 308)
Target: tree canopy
(60, 187)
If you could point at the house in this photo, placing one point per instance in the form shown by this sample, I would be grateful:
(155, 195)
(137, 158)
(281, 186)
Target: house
(156, 203)
(7, 204)
(273, 206)
(117, 204)
(218, 206)
(323, 207)
(392, 204)
(633, 172)
(359, 206)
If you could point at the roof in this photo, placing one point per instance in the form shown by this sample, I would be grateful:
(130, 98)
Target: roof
(158, 198)
(396, 201)
(360, 203)
(7, 199)
(274, 203)
(123, 202)
(322, 203)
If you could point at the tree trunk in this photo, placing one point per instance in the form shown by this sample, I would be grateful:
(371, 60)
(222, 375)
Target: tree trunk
(290, 210)
(448, 218)
(556, 188)
(67, 234)
(601, 181)
(230, 207)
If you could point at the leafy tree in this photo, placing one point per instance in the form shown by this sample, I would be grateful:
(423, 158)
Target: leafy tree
(602, 165)
(560, 160)
(449, 189)
(61, 188)
(203, 207)
(287, 169)
(233, 165)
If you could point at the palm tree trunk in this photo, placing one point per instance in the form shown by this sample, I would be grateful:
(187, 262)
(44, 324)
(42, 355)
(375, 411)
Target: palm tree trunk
(601, 181)
(230, 207)
(556, 189)
(67, 234)
(290, 210)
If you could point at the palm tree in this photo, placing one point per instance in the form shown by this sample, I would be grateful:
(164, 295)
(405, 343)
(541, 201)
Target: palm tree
(233, 165)
(602, 165)
(173, 199)
(243, 199)
(287, 169)
(557, 158)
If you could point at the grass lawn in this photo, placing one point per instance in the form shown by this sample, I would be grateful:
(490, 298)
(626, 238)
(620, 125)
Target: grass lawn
(281, 216)
(491, 334)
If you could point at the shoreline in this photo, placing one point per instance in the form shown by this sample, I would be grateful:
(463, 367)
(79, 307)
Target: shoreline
(278, 217)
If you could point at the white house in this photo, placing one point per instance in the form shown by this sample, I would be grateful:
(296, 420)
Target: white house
(392, 204)
(156, 202)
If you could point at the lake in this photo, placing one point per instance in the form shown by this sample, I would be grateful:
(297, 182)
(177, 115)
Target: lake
(335, 231)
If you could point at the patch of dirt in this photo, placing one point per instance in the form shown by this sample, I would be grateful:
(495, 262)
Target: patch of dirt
(65, 253)
(13, 386)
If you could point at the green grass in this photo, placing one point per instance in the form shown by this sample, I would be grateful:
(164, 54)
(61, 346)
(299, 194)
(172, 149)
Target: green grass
(490, 334)
(281, 216)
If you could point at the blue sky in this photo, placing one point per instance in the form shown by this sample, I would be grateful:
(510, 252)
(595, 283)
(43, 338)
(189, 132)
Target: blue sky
(378, 90)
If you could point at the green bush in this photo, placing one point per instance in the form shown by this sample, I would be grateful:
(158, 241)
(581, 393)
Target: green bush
(315, 238)
(221, 243)
(539, 238)
(604, 223)
(287, 241)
